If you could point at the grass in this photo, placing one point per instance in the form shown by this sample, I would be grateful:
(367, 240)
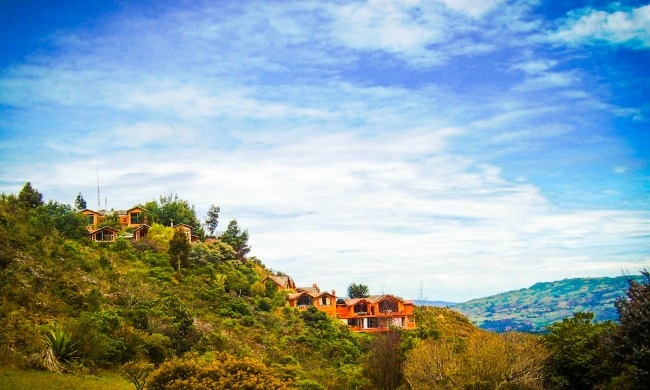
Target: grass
(15, 379)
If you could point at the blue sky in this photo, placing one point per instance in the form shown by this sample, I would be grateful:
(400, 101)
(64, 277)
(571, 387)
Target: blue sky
(435, 149)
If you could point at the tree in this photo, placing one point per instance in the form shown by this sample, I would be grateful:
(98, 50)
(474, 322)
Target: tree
(63, 218)
(580, 354)
(29, 197)
(172, 209)
(80, 202)
(111, 219)
(212, 219)
(237, 239)
(137, 373)
(478, 360)
(385, 360)
(632, 336)
(358, 290)
(160, 236)
(179, 250)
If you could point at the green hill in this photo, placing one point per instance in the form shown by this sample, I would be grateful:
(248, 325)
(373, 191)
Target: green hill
(533, 309)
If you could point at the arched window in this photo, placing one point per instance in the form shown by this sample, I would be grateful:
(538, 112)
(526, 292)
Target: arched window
(304, 300)
(361, 307)
(388, 306)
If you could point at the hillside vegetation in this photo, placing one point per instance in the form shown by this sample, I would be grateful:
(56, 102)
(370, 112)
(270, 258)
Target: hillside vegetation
(535, 308)
(167, 314)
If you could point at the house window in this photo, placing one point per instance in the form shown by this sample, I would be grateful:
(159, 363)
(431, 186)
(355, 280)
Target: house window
(361, 308)
(91, 219)
(373, 322)
(324, 301)
(388, 306)
(304, 300)
(354, 321)
(136, 217)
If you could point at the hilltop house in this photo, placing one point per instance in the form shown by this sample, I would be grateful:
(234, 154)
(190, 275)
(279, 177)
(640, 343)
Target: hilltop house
(376, 313)
(132, 219)
(304, 297)
(370, 314)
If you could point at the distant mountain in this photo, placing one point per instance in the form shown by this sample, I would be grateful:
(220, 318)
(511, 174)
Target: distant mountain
(420, 302)
(533, 309)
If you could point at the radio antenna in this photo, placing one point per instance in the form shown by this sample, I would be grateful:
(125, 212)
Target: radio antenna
(99, 202)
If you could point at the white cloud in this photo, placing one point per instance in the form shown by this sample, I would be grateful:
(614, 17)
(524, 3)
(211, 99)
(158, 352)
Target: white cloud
(400, 27)
(629, 27)
(390, 211)
(471, 7)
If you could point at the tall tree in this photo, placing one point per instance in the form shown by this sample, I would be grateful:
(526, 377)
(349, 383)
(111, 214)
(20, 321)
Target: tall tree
(580, 354)
(80, 202)
(179, 250)
(29, 197)
(358, 290)
(237, 239)
(633, 334)
(212, 219)
(385, 361)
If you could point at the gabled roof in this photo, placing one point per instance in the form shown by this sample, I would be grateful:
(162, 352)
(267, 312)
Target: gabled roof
(284, 281)
(92, 211)
(374, 299)
(310, 293)
(105, 228)
(141, 227)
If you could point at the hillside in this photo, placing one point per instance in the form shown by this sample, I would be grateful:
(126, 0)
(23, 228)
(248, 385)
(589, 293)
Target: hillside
(533, 309)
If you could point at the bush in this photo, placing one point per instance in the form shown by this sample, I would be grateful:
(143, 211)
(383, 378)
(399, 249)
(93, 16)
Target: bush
(224, 372)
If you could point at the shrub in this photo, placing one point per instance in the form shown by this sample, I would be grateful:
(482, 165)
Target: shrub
(224, 372)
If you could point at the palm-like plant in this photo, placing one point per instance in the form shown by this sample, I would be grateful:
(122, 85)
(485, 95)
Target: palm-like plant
(59, 348)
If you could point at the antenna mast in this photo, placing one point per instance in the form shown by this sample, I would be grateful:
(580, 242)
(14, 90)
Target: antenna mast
(99, 202)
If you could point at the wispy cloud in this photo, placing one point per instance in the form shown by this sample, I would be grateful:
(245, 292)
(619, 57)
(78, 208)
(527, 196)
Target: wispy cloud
(624, 26)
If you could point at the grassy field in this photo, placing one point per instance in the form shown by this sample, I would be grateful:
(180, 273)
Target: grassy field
(30, 379)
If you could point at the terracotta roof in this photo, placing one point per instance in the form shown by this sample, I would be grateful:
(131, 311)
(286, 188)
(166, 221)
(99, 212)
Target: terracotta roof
(372, 299)
(105, 228)
(283, 281)
(310, 293)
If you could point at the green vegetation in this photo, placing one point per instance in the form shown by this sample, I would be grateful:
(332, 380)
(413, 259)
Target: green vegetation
(15, 379)
(358, 290)
(533, 309)
(163, 314)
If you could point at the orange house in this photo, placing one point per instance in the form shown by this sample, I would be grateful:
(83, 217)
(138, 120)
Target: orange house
(312, 296)
(376, 313)
(93, 219)
(133, 217)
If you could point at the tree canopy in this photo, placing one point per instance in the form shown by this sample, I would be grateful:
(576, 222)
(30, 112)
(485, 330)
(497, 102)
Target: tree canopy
(632, 336)
(237, 239)
(30, 197)
(212, 219)
(358, 290)
(171, 209)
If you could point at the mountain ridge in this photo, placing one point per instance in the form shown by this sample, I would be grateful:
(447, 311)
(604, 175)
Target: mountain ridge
(534, 308)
